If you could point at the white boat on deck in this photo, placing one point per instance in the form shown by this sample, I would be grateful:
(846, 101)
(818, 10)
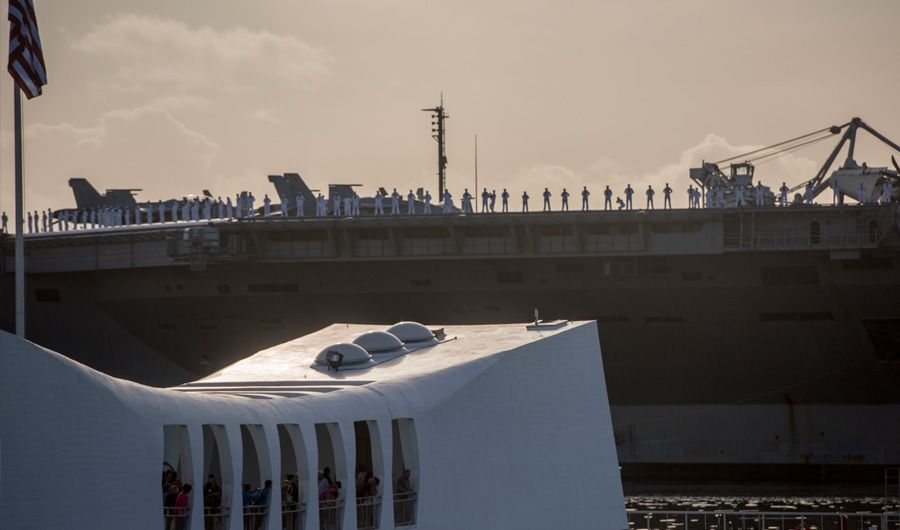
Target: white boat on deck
(500, 427)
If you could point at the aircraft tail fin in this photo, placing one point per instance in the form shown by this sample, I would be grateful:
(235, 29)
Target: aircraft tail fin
(296, 185)
(86, 196)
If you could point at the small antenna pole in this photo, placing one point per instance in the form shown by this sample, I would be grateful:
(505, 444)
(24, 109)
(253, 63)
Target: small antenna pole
(476, 170)
(438, 132)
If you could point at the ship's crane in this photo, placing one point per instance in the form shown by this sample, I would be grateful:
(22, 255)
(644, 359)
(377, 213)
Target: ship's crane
(849, 176)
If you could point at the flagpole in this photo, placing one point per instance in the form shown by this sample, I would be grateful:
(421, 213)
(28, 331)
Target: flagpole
(20, 216)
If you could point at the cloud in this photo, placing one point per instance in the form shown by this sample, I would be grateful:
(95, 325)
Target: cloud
(605, 171)
(156, 53)
(144, 147)
(264, 116)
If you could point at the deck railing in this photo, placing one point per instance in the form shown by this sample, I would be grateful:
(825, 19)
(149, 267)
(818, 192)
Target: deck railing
(368, 512)
(330, 514)
(292, 514)
(215, 518)
(405, 509)
(255, 516)
(175, 518)
(749, 520)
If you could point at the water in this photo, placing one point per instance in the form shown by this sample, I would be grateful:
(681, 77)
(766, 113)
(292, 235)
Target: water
(776, 503)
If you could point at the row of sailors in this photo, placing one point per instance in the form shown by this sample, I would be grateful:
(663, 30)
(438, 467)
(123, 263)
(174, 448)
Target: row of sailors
(196, 210)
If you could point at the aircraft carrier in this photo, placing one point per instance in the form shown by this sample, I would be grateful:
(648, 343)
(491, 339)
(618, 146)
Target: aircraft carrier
(755, 342)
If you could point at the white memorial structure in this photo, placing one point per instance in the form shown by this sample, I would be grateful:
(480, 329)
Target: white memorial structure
(472, 427)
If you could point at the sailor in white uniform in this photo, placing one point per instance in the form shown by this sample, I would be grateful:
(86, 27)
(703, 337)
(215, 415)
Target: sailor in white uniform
(137, 215)
(524, 201)
(337, 205)
(348, 205)
(835, 191)
(267, 206)
(410, 203)
(720, 196)
(229, 208)
(207, 208)
(783, 194)
(300, 200)
(887, 189)
(251, 200)
(395, 202)
(427, 202)
(283, 206)
(379, 203)
(504, 201)
(862, 193)
(220, 207)
(5, 220)
(467, 201)
(447, 201)
(739, 196)
(127, 218)
(808, 193)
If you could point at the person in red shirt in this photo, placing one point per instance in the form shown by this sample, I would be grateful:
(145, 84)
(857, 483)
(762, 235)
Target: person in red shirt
(182, 504)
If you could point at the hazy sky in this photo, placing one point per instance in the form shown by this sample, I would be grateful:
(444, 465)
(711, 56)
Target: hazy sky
(176, 96)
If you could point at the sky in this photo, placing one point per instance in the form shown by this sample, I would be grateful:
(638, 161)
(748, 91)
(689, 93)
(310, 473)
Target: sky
(175, 97)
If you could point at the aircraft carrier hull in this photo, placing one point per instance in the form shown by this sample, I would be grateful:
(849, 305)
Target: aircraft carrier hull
(722, 361)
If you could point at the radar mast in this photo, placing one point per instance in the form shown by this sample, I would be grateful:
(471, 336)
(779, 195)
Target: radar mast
(438, 133)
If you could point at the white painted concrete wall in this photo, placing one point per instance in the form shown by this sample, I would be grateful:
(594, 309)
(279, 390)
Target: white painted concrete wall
(517, 439)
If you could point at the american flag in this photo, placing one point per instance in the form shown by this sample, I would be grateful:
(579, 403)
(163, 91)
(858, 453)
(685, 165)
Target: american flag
(26, 59)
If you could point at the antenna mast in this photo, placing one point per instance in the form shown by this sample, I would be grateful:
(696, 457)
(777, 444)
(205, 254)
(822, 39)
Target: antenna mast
(438, 133)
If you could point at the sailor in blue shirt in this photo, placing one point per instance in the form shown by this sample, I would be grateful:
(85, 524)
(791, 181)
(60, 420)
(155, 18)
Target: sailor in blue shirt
(628, 193)
(607, 198)
(546, 200)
